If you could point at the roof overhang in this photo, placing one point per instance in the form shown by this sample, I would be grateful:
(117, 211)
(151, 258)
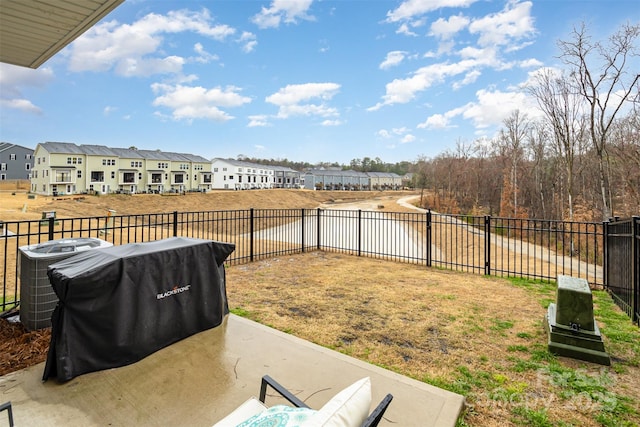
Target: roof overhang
(32, 31)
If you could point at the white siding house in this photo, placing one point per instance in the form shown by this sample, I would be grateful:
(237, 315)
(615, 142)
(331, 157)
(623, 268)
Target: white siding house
(229, 174)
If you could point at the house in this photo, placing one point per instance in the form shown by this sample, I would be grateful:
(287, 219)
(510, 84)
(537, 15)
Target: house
(287, 178)
(335, 179)
(16, 161)
(67, 168)
(384, 181)
(230, 174)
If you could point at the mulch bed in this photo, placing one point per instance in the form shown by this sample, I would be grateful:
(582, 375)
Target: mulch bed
(21, 348)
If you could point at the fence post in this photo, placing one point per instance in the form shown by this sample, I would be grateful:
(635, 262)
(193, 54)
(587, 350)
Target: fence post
(605, 254)
(302, 217)
(635, 269)
(175, 223)
(52, 223)
(251, 217)
(359, 232)
(487, 245)
(429, 238)
(318, 229)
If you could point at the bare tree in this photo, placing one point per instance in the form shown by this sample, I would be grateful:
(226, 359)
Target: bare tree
(561, 106)
(513, 137)
(606, 81)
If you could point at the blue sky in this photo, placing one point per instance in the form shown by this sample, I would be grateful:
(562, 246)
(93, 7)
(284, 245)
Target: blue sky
(305, 80)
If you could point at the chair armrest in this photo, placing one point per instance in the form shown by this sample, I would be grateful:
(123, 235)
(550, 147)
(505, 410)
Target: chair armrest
(376, 416)
(7, 407)
(267, 380)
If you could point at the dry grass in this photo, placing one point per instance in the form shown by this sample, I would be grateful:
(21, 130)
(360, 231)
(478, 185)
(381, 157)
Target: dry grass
(481, 337)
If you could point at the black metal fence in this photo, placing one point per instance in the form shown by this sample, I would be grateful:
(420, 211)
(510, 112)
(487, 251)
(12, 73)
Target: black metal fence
(622, 264)
(535, 249)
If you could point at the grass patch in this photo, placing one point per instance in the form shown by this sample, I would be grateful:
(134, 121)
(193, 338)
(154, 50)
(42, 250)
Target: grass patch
(480, 337)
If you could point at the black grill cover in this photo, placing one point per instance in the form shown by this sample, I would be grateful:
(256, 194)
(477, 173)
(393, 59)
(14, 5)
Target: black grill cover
(120, 304)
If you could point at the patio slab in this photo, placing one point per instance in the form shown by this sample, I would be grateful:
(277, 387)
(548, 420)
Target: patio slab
(200, 379)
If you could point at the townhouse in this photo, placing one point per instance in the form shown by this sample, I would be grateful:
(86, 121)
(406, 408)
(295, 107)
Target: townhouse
(67, 168)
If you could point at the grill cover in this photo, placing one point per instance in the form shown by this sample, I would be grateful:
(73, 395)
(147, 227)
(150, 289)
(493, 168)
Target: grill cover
(122, 303)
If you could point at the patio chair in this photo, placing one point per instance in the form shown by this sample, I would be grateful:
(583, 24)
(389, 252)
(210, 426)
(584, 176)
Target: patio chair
(348, 408)
(7, 407)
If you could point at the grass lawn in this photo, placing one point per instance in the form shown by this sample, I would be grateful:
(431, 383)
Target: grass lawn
(481, 337)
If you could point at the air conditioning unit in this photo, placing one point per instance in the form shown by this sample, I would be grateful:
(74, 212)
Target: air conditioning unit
(37, 298)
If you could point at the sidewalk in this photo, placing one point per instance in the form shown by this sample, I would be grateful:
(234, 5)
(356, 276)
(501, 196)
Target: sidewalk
(198, 380)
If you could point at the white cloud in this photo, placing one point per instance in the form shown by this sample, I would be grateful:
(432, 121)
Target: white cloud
(436, 121)
(14, 79)
(445, 29)
(393, 58)
(132, 49)
(203, 57)
(530, 63)
(287, 11)
(401, 91)
(23, 105)
(514, 22)
(407, 139)
(108, 110)
(410, 9)
(248, 41)
(383, 133)
(259, 120)
(195, 102)
(404, 29)
(259, 148)
(295, 100)
(331, 123)
(469, 78)
(489, 109)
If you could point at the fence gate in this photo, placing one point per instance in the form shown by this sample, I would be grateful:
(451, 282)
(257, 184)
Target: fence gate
(622, 264)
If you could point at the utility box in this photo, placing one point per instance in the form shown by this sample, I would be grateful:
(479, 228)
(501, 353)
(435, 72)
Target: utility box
(37, 298)
(570, 324)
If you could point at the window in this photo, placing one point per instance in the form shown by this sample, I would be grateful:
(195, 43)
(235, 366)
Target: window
(162, 165)
(79, 173)
(28, 156)
(63, 176)
(97, 176)
(136, 164)
(113, 174)
(156, 178)
(35, 174)
(215, 169)
(224, 169)
(3, 166)
(140, 176)
(108, 162)
(27, 166)
(3, 176)
(129, 177)
(179, 179)
(38, 160)
(12, 156)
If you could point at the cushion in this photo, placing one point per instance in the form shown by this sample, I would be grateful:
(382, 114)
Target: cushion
(280, 416)
(248, 409)
(349, 408)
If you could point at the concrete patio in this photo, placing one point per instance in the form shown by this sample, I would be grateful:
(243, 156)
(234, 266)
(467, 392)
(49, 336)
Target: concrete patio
(199, 380)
